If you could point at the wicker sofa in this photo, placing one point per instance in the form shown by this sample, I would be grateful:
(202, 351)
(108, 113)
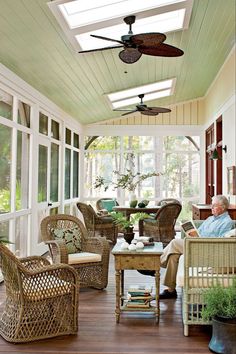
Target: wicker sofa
(206, 262)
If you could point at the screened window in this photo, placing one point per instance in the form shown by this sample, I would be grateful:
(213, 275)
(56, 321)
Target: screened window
(5, 168)
(67, 173)
(6, 105)
(43, 123)
(55, 129)
(23, 116)
(42, 173)
(175, 158)
(54, 173)
(22, 171)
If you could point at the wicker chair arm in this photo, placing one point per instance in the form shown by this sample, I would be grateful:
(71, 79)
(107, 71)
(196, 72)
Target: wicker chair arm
(34, 262)
(49, 281)
(60, 271)
(58, 251)
(95, 245)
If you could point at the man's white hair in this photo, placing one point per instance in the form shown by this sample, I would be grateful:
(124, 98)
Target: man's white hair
(222, 200)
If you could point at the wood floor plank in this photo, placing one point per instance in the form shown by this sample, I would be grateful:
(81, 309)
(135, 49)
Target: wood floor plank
(135, 334)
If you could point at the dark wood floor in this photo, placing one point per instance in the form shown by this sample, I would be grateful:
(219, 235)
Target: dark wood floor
(135, 334)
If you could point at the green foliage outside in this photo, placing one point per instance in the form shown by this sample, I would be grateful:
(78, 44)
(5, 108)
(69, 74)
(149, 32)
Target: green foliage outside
(5, 199)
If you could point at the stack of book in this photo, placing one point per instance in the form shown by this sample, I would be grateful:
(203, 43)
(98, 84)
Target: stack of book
(139, 296)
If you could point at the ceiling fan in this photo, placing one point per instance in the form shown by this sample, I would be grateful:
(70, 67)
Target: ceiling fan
(144, 109)
(138, 44)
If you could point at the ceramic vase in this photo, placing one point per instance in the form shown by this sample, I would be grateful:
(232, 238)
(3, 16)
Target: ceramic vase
(133, 201)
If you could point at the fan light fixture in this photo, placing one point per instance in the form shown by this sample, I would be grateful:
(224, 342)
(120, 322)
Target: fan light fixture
(80, 18)
(144, 109)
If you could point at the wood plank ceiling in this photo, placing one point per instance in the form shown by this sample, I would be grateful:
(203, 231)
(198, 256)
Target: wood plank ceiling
(34, 47)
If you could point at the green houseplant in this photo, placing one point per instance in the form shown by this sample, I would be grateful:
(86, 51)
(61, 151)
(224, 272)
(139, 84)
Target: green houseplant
(128, 224)
(220, 307)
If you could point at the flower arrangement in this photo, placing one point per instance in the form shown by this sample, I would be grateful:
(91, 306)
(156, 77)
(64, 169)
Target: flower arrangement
(128, 181)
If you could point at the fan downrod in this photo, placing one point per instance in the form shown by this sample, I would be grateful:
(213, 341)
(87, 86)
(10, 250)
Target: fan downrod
(141, 96)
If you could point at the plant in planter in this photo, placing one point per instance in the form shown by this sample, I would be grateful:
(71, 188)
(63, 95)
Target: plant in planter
(220, 306)
(128, 224)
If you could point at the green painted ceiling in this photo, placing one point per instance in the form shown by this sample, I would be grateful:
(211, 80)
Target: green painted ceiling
(34, 47)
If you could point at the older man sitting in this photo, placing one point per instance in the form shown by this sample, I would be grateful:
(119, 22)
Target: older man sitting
(216, 225)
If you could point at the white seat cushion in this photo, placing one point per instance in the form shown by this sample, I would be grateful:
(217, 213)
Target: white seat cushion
(202, 277)
(83, 257)
(180, 272)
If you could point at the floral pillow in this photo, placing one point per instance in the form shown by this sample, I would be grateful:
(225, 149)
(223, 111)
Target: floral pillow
(72, 238)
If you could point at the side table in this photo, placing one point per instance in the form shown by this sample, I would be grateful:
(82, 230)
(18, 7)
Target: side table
(146, 259)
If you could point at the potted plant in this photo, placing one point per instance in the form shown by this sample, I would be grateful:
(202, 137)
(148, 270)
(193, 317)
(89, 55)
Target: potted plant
(128, 224)
(220, 307)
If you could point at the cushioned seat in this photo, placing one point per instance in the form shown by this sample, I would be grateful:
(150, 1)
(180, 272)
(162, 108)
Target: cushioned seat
(91, 260)
(83, 257)
(38, 295)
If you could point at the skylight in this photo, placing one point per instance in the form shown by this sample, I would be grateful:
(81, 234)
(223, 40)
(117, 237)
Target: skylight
(169, 21)
(80, 18)
(80, 13)
(151, 91)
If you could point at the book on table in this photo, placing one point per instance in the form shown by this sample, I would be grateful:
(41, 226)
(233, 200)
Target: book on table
(135, 304)
(139, 296)
(140, 289)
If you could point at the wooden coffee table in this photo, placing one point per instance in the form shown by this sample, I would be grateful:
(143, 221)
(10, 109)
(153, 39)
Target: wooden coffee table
(146, 259)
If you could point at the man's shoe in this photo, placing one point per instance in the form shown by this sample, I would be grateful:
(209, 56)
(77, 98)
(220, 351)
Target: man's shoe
(168, 294)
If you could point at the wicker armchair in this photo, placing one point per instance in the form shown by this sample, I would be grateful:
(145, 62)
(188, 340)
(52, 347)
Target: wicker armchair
(41, 299)
(168, 200)
(98, 225)
(93, 259)
(162, 226)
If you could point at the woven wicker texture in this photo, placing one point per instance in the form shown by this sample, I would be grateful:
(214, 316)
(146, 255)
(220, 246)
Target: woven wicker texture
(41, 299)
(207, 262)
(98, 225)
(168, 200)
(93, 274)
(162, 227)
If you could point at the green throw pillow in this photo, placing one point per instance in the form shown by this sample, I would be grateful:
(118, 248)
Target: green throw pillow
(72, 238)
(108, 204)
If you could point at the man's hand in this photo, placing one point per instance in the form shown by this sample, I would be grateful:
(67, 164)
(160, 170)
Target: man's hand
(193, 234)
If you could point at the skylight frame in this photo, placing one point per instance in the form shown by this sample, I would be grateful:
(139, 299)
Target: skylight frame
(126, 98)
(117, 8)
(71, 33)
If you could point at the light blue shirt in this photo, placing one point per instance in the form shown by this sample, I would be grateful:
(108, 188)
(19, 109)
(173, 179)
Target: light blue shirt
(216, 226)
